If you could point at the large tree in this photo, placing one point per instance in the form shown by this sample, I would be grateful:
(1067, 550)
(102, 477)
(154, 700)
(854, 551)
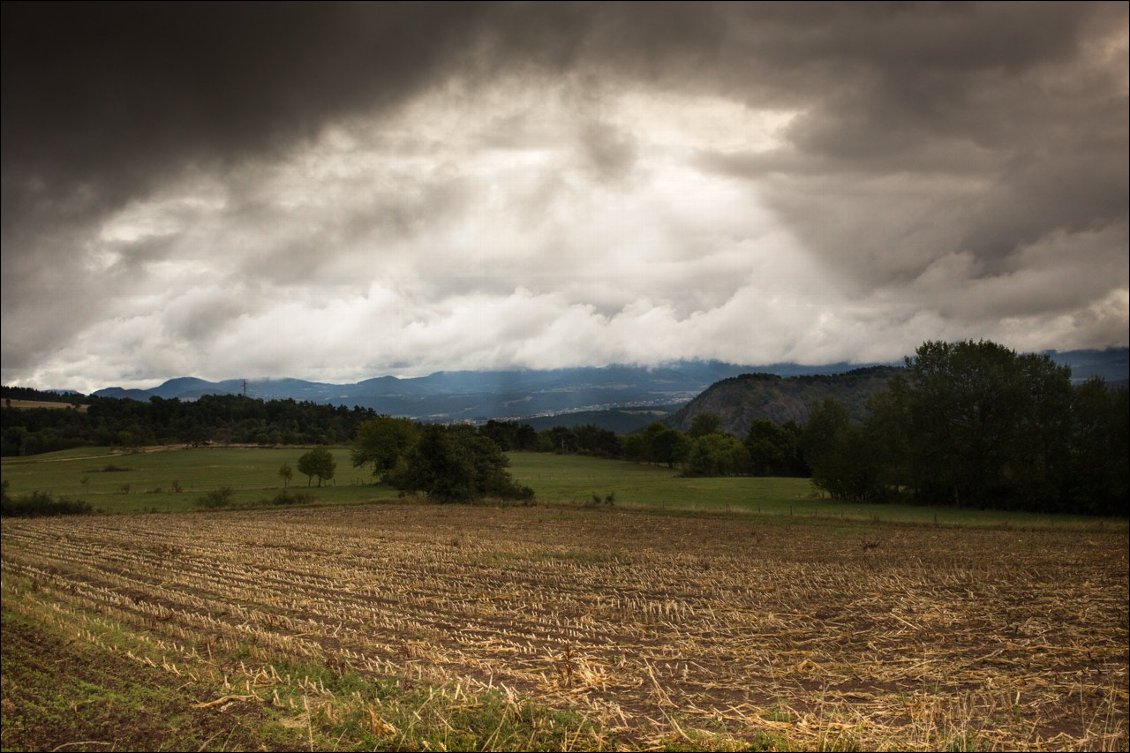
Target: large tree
(839, 453)
(661, 444)
(457, 464)
(986, 426)
(715, 454)
(384, 442)
(1099, 479)
(703, 424)
(773, 449)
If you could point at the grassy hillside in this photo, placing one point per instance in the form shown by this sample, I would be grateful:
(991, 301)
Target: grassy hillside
(637, 485)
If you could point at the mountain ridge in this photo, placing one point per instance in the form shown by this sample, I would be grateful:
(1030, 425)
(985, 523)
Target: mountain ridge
(468, 395)
(483, 395)
(739, 401)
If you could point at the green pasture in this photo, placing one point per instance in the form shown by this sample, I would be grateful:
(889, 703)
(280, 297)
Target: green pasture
(578, 478)
(116, 481)
(147, 481)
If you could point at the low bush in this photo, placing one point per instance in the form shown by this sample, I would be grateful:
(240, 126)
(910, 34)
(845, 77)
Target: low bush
(282, 498)
(221, 497)
(41, 504)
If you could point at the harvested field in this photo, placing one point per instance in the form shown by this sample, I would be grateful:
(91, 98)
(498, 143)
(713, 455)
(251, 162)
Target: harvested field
(54, 405)
(661, 630)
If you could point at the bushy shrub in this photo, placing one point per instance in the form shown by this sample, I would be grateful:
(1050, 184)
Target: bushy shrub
(283, 498)
(221, 497)
(596, 501)
(456, 464)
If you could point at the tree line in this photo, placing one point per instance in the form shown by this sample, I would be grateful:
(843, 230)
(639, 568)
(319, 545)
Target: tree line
(973, 424)
(220, 419)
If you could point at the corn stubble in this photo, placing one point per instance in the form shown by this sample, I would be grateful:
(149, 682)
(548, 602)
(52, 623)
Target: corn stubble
(705, 632)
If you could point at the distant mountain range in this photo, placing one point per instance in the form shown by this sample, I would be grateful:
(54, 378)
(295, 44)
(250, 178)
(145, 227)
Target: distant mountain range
(1111, 365)
(601, 392)
(483, 395)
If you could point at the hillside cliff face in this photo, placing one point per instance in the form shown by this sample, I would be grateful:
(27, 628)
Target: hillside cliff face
(740, 400)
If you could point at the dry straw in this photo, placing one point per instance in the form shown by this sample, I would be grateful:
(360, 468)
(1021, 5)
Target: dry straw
(705, 632)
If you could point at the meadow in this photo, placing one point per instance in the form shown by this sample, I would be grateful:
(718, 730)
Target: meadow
(721, 614)
(147, 481)
(173, 478)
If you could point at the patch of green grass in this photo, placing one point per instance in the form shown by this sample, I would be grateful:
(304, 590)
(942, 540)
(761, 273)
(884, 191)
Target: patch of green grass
(60, 691)
(63, 694)
(173, 480)
(768, 741)
(779, 715)
(571, 478)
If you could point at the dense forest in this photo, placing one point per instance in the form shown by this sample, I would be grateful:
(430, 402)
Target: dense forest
(223, 419)
(975, 424)
(964, 424)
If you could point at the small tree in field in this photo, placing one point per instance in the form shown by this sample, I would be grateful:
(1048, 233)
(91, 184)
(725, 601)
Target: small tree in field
(287, 474)
(317, 462)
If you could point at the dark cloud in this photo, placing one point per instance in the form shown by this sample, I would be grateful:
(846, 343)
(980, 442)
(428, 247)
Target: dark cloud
(109, 94)
(105, 97)
(927, 144)
(1006, 122)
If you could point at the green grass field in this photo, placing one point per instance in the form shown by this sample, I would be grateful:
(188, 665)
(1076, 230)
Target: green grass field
(147, 481)
(577, 478)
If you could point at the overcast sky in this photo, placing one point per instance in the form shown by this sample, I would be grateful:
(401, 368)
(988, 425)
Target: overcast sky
(339, 191)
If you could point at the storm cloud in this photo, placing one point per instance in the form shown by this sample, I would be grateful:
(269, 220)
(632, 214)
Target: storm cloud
(337, 191)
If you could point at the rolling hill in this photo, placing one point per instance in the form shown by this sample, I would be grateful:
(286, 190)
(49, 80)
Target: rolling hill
(740, 400)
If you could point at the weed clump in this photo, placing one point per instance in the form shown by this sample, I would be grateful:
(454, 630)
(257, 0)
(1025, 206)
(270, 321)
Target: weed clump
(283, 498)
(216, 498)
(607, 500)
